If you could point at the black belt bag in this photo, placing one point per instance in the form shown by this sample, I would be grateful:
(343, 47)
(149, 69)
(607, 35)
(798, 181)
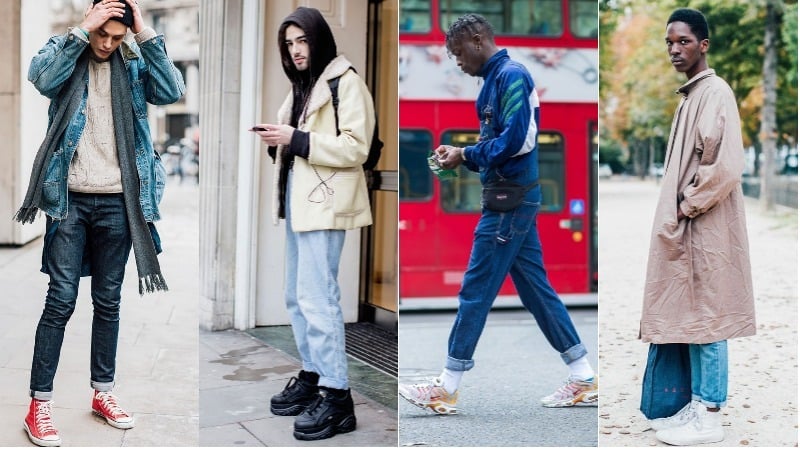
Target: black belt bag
(504, 195)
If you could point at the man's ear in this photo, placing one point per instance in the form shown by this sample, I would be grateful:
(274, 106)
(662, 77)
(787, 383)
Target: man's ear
(476, 39)
(704, 46)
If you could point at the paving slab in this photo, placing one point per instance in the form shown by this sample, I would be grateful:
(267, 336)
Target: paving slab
(239, 374)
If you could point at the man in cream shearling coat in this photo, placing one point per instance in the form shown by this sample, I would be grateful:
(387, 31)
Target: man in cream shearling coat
(321, 191)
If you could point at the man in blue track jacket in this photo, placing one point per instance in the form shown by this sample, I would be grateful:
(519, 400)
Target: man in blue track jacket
(505, 241)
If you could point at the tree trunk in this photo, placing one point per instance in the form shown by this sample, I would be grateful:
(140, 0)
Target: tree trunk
(768, 133)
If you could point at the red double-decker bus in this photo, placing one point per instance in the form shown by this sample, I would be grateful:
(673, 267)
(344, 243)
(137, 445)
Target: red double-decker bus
(557, 41)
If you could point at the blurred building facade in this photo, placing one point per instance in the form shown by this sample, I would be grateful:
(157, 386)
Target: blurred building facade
(25, 27)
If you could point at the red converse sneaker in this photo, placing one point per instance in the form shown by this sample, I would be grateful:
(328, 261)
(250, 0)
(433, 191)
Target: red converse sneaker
(104, 404)
(39, 424)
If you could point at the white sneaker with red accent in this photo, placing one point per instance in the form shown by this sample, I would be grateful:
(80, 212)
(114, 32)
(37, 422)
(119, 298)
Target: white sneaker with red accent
(430, 395)
(39, 424)
(104, 404)
(573, 393)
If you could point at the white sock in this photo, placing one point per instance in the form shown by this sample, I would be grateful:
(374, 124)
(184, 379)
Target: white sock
(451, 379)
(580, 369)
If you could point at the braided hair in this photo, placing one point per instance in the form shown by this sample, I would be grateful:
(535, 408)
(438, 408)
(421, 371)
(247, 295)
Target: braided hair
(468, 25)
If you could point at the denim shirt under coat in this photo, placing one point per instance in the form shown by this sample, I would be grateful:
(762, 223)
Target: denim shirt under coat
(153, 78)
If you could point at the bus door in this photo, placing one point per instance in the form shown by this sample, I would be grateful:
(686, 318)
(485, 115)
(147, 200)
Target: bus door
(559, 228)
(419, 255)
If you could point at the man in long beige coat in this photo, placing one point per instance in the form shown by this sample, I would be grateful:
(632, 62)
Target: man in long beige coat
(698, 288)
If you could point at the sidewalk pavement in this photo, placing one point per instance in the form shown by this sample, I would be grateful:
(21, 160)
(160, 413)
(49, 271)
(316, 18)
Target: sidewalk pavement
(157, 372)
(239, 374)
(762, 385)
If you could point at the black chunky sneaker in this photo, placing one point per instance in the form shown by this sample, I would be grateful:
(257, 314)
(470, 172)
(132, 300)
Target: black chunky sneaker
(299, 393)
(332, 413)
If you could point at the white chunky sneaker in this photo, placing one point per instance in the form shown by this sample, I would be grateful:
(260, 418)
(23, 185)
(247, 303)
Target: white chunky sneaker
(704, 428)
(685, 415)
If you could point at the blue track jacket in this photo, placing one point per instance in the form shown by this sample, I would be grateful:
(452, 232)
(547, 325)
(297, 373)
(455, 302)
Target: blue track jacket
(508, 110)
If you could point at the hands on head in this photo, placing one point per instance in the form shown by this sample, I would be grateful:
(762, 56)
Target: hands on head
(96, 15)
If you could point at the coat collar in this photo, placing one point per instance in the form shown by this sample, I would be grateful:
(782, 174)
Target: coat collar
(127, 50)
(492, 63)
(689, 85)
(321, 92)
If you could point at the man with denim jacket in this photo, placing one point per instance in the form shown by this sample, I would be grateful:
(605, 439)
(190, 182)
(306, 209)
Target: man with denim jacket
(98, 180)
(505, 242)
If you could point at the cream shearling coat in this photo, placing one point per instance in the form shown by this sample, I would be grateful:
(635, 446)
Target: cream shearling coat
(698, 288)
(329, 190)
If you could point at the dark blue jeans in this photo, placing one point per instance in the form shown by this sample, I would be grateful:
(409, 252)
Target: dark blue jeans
(96, 232)
(509, 242)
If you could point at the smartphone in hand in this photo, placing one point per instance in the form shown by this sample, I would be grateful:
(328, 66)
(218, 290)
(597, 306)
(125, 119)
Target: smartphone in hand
(257, 128)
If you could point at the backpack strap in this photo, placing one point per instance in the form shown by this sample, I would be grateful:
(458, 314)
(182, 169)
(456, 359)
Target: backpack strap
(334, 85)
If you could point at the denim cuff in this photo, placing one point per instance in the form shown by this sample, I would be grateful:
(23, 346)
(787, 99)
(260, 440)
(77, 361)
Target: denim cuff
(43, 396)
(574, 353)
(461, 365)
(709, 404)
(331, 383)
(102, 386)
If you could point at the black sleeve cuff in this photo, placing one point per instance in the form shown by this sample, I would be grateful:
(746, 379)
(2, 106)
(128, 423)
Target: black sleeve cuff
(299, 144)
(273, 152)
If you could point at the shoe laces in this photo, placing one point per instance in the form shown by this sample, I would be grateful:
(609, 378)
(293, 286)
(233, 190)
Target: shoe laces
(688, 413)
(109, 402)
(42, 417)
(567, 389)
(426, 389)
(316, 404)
(291, 385)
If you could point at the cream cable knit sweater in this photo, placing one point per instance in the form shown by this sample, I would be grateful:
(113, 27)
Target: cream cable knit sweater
(95, 166)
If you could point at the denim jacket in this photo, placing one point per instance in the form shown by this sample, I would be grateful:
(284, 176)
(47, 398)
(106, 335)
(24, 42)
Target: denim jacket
(153, 78)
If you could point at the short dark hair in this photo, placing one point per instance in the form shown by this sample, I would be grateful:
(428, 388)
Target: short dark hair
(468, 24)
(692, 17)
(127, 17)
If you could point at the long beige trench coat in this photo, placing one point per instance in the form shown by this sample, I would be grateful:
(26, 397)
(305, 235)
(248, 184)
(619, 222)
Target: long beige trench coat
(699, 288)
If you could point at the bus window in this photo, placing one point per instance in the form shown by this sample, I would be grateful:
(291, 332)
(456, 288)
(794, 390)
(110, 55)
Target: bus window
(463, 194)
(510, 17)
(551, 171)
(415, 176)
(583, 18)
(415, 16)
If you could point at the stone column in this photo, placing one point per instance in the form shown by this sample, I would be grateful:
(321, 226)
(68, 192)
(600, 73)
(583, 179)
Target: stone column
(220, 34)
(10, 170)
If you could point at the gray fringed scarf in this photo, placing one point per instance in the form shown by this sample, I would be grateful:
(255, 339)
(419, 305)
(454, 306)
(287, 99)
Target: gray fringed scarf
(149, 271)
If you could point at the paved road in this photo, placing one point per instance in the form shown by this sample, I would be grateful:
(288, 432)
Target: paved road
(499, 397)
(762, 403)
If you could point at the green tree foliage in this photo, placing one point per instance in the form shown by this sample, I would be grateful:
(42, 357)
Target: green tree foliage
(637, 80)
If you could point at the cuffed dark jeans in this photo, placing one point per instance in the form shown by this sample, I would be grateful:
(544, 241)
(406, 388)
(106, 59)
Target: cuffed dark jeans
(96, 227)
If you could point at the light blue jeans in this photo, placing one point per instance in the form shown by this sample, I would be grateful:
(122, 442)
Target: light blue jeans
(312, 299)
(709, 364)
